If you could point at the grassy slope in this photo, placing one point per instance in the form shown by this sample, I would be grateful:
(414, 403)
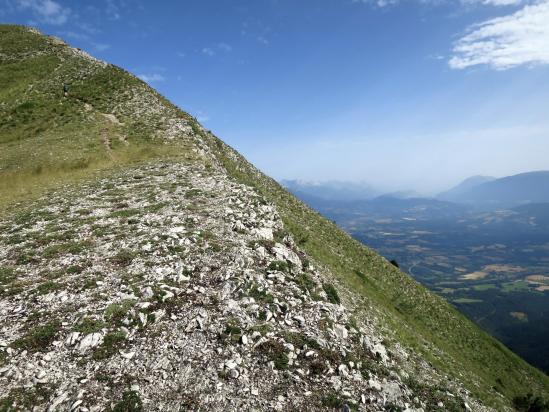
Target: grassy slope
(418, 318)
(46, 138)
(49, 139)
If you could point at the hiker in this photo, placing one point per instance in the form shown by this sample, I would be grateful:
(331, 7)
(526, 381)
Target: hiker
(65, 89)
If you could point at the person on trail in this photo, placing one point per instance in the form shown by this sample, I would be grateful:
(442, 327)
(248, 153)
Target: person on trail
(65, 89)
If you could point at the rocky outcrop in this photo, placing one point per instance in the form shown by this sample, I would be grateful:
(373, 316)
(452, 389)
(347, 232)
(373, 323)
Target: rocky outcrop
(173, 287)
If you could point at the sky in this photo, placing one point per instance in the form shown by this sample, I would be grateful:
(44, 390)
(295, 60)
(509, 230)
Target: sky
(402, 94)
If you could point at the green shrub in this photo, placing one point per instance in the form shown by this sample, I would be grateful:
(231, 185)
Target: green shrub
(305, 282)
(123, 258)
(260, 295)
(89, 325)
(115, 312)
(48, 287)
(275, 352)
(131, 402)
(331, 292)
(7, 275)
(279, 265)
(332, 400)
(39, 338)
(530, 403)
(111, 343)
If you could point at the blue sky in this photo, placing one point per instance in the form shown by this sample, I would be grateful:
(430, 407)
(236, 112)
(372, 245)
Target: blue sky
(402, 94)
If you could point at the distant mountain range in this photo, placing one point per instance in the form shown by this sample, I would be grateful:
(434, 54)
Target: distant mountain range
(464, 187)
(484, 192)
(506, 192)
(331, 190)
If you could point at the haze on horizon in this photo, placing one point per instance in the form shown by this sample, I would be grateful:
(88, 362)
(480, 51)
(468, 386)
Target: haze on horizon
(404, 95)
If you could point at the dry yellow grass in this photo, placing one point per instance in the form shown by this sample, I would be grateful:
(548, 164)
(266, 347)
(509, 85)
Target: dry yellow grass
(502, 268)
(541, 279)
(474, 275)
(519, 315)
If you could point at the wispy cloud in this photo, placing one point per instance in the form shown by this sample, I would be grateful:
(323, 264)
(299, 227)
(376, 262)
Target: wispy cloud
(208, 51)
(218, 48)
(46, 11)
(100, 46)
(262, 40)
(225, 47)
(505, 42)
(493, 2)
(385, 3)
(112, 10)
(152, 78)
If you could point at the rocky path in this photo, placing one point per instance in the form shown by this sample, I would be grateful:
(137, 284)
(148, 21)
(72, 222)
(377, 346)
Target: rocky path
(171, 287)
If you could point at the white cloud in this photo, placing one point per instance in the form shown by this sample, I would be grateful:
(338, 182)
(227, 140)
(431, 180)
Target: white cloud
(208, 51)
(218, 48)
(151, 78)
(112, 10)
(225, 47)
(385, 3)
(100, 46)
(262, 40)
(493, 2)
(505, 42)
(47, 11)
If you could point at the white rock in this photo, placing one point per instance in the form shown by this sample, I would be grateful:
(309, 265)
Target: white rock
(392, 391)
(341, 331)
(231, 364)
(127, 355)
(90, 341)
(72, 339)
(263, 233)
(300, 319)
(76, 404)
(372, 383)
(148, 293)
(143, 318)
(167, 295)
(58, 401)
(283, 253)
(343, 370)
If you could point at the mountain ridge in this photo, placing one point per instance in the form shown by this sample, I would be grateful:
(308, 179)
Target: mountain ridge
(508, 191)
(444, 347)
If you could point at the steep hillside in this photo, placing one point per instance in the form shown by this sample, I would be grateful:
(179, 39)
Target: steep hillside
(145, 264)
